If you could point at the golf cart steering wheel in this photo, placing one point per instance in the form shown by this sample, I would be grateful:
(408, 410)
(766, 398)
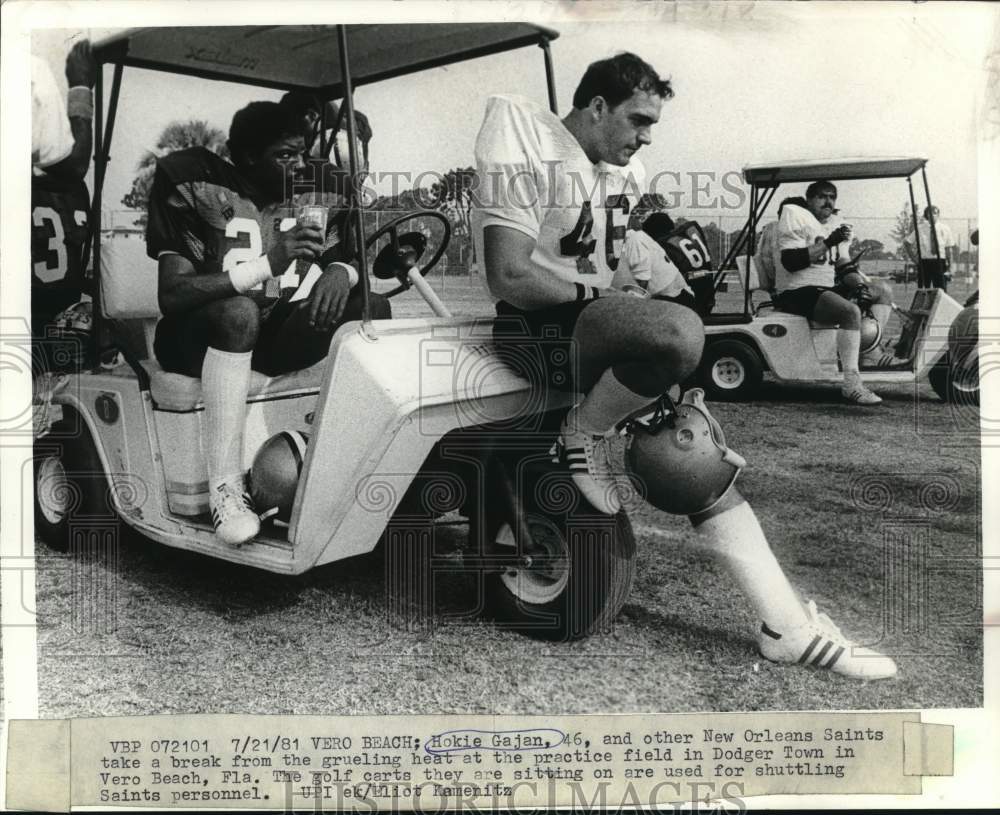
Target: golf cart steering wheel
(398, 259)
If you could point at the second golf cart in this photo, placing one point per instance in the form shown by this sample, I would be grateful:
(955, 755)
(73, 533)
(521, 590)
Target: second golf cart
(744, 342)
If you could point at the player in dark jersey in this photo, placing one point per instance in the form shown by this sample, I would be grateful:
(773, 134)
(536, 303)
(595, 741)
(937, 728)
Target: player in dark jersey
(242, 284)
(59, 209)
(60, 156)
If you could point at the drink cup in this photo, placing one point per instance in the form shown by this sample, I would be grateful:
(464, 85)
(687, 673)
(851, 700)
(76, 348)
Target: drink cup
(317, 216)
(313, 214)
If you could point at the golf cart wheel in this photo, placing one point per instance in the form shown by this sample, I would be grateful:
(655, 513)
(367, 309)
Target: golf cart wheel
(575, 577)
(69, 484)
(731, 371)
(959, 383)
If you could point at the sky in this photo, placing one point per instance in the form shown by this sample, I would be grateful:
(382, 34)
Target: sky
(784, 81)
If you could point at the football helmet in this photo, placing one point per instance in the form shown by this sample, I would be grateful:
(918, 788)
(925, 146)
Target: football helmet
(677, 457)
(871, 332)
(70, 330)
(274, 476)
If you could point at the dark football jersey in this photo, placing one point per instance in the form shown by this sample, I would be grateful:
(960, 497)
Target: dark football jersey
(59, 227)
(687, 248)
(202, 209)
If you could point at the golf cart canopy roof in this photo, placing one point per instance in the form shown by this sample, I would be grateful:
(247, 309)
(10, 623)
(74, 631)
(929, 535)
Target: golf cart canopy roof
(846, 169)
(306, 57)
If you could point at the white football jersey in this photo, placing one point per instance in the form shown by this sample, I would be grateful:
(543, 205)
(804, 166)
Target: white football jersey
(646, 260)
(533, 176)
(798, 229)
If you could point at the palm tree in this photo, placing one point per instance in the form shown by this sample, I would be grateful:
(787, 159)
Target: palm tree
(175, 136)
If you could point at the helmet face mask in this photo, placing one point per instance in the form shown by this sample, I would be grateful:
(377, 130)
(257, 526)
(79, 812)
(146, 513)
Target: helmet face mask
(677, 457)
(70, 334)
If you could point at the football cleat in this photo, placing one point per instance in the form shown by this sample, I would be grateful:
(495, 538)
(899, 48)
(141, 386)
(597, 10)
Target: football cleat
(858, 394)
(44, 387)
(855, 391)
(881, 357)
(820, 644)
(234, 519)
(588, 460)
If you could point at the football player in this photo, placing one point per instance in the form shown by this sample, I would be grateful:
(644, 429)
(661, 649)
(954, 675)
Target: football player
(816, 278)
(60, 156)
(553, 202)
(230, 286)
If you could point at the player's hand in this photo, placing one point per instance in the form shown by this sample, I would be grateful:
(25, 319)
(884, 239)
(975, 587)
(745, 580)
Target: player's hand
(817, 252)
(328, 298)
(302, 241)
(839, 235)
(81, 67)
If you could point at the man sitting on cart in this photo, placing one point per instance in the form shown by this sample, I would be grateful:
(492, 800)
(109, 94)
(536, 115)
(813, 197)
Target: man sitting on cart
(243, 284)
(553, 195)
(816, 278)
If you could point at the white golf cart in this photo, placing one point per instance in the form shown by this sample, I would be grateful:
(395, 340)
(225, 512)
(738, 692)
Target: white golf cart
(742, 343)
(408, 421)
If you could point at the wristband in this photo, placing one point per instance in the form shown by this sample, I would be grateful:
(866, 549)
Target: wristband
(581, 291)
(80, 102)
(595, 292)
(352, 273)
(794, 260)
(245, 276)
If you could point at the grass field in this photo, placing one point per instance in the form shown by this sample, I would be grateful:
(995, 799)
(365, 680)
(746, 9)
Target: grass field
(874, 514)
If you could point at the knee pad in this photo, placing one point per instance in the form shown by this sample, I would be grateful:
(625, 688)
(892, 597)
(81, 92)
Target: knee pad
(677, 457)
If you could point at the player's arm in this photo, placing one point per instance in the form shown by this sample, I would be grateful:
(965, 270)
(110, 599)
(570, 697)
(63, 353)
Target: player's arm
(181, 287)
(183, 283)
(81, 74)
(794, 248)
(512, 276)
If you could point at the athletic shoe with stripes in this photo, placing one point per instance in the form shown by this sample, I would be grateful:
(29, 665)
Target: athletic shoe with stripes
(234, 519)
(588, 460)
(857, 393)
(820, 644)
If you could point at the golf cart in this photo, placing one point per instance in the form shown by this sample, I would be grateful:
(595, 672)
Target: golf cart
(408, 421)
(742, 343)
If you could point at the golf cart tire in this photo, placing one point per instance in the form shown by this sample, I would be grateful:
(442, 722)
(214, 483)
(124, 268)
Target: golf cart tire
(943, 380)
(69, 485)
(581, 596)
(730, 371)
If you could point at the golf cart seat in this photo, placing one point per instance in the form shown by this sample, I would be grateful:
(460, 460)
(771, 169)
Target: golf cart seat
(128, 298)
(758, 286)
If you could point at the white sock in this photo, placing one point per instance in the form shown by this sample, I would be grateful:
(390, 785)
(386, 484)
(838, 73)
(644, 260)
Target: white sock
(848, 347)
(225, 382)
(735, 538)
(607, 403)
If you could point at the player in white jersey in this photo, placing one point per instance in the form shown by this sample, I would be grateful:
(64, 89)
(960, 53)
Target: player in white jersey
(815, 278)
(550, 243)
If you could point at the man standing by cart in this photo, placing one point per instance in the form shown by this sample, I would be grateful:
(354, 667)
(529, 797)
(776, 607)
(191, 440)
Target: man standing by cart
(245, 283)
(554, 197)
(937, 245)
